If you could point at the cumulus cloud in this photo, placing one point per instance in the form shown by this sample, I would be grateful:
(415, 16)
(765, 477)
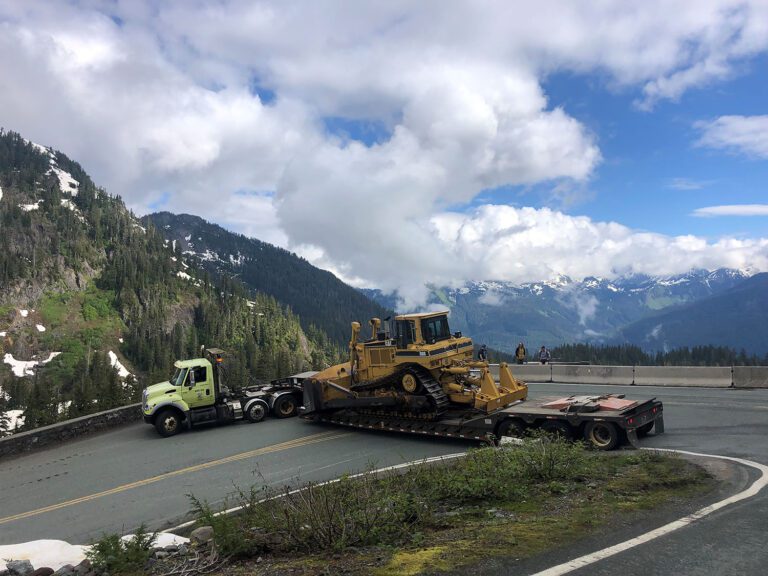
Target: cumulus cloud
(221, 109)
(733, 210)
(740, 134)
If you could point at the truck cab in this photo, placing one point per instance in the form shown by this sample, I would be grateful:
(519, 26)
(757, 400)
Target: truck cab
(196, 394)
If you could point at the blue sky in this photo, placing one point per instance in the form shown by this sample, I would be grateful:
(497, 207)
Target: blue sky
(650, 157)
(400, 144)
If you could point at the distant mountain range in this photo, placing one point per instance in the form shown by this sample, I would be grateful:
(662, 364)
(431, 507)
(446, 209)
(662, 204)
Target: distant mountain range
(736, 318)
(627, 309)
(316, 296)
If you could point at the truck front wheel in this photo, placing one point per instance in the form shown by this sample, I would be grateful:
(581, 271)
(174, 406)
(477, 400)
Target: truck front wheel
(602, 435)
(168, 423)
(285, 406)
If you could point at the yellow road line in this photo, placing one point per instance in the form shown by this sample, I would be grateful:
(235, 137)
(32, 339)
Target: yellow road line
(299, 442)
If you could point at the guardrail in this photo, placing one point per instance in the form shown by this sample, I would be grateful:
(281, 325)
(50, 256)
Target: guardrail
(46, 436)
(694, 376)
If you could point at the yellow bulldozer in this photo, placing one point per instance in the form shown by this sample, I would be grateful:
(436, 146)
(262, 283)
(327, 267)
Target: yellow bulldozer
(413, 368)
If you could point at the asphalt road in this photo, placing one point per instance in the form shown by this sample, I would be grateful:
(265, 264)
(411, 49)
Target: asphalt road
(116, 480)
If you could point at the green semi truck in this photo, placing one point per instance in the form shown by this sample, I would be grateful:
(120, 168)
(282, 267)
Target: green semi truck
(197, 394)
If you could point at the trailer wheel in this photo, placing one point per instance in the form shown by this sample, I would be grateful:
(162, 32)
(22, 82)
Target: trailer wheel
(602, 435)
(644, 429)
(511, 428)
(557, 428)
(285, 406)
(256, 412)
(168, 422)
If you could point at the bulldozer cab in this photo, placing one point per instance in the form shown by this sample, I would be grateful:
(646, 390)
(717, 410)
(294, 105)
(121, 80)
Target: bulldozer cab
(420, 329)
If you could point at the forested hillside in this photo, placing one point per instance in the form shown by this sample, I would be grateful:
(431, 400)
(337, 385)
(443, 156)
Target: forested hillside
(317, 296)
(93, 305)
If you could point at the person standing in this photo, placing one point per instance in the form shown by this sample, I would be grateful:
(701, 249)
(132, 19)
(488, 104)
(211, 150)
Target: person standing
(520, 353)
(544, 355)
(482, 354)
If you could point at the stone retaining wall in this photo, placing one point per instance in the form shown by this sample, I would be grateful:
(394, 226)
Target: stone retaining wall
(68, 430)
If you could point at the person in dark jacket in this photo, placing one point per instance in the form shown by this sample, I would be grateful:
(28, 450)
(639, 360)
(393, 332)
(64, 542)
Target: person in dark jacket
(520, 353)
(544, 355)
(482, 354)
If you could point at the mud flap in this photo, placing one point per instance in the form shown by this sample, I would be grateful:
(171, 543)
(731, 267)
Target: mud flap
(659, 425)
(632, 437)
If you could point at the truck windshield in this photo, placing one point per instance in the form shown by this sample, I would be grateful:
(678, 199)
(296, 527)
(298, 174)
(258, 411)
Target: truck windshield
(178, 376)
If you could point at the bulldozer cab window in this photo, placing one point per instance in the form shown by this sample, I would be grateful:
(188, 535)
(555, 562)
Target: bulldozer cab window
(435, 329)
(406, 333)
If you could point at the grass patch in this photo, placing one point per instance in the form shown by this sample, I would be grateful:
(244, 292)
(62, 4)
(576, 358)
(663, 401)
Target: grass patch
(511, 502)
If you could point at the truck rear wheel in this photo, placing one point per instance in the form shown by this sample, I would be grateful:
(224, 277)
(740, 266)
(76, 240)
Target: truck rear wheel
(602, 435)
(168, 423)
(558, 428)
(511, 429)
(285, 406)
(644, 429)
(256, 412)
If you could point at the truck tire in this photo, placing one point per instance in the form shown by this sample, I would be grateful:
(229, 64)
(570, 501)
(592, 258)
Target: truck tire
(256, 412)
(644, 429)
(511, 428)
(168, 422)
(285, 406)
(602, 435)
(558, 428)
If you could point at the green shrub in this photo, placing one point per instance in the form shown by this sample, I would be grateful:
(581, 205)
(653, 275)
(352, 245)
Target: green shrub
(115, 556)
(547, 457)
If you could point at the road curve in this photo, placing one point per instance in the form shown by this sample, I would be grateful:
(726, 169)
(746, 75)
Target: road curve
(116, 480)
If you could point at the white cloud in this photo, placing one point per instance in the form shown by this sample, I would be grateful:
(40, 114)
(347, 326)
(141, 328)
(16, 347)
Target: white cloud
(686, 184)
(733, 210)
(219, 109)
(743, 134)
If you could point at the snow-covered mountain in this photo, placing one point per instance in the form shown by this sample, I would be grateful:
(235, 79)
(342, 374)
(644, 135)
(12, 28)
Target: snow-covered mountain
(559, 310)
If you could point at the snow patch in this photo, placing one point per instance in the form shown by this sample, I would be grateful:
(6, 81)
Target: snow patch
(120, 340)
(49, 553)
(40, 328)
(24, 313)
(23, 368)
(184, 275)
(67, 203)
(2, 334)
(121, 370)
(188, 238)
(67, 184)
(162, 539)
(39, 148)
(209, 256)
(1, 192)
(140, 227)
(30, 207)
(15, 419)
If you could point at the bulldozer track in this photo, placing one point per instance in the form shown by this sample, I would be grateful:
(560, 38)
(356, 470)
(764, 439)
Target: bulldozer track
(431, 388)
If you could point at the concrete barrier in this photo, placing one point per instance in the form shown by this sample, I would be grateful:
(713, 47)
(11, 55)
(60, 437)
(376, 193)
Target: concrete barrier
(750, 376)
(712, 377)
(68, 430)
(592, 374)
(526, 372)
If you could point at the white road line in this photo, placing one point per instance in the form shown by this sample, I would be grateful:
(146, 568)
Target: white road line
(588, 559)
